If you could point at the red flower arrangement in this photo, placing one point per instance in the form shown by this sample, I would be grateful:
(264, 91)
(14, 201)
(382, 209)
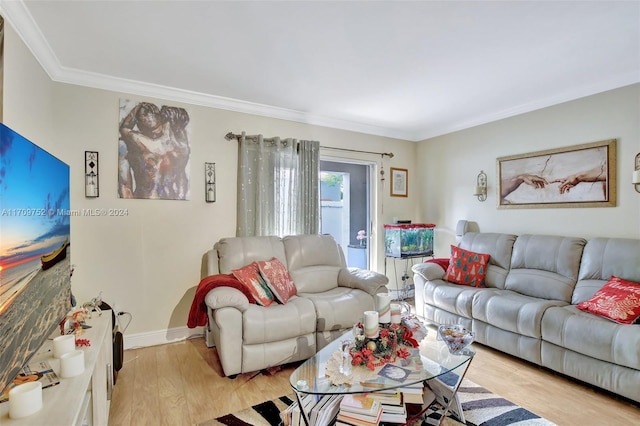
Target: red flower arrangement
(390, 343)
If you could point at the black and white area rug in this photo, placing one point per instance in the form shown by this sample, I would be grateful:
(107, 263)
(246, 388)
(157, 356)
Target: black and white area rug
(480, 406)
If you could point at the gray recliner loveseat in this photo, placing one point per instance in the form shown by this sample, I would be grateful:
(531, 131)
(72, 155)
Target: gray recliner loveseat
(528, 308)
(330, 299)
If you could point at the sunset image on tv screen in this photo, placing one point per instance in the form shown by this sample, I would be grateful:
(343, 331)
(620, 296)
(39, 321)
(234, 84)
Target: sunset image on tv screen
(34, 220)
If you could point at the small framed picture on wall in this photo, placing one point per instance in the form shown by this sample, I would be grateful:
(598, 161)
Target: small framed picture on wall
(399, 182)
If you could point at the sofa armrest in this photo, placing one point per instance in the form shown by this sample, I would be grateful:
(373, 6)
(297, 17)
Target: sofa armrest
(226, 297)
(363, 279)
(429, 271)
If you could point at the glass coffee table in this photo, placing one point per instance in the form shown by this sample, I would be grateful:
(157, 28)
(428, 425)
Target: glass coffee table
(431, 364)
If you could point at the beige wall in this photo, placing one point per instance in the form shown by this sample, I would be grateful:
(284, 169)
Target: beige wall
(148, 262)
(449, 165)
(28, 99)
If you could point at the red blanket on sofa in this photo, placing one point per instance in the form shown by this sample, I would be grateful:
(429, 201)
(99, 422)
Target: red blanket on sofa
(442, 261)
(198, 311)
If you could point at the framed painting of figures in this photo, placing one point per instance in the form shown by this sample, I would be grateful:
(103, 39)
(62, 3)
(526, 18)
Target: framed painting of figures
(153, 151)
(576, 176)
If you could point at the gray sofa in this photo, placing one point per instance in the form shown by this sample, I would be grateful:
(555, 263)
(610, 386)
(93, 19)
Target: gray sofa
(528, 308)
(331, 299)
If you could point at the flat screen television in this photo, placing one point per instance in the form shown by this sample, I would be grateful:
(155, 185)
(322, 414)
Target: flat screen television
(35, 271)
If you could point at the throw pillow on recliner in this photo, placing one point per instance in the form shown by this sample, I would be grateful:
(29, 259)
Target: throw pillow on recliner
(467, 267)
(250, 277)
(278, 280)
(617, 300)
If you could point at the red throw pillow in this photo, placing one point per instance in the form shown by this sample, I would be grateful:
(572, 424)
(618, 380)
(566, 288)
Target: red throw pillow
(277, 277)
(467, 267)
(250, 277)
(617, 300)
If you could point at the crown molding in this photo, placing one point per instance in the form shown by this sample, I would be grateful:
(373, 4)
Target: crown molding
(567, 96)
(18, 16)
(25, 26)
(101, 81)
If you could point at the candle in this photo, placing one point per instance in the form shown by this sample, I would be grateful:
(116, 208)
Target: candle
(72, 364)
(396, 313)
(383, 306)
(371, 324)
(63, 344)
(25, 399)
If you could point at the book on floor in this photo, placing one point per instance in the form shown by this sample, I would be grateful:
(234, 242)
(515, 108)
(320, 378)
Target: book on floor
(360, 404)
(325, 410)
(356, 419)
(393, 417)
(292, 415)
(394, 398)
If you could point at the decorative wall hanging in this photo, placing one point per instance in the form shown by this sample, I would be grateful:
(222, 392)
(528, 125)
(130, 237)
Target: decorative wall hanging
(210, 182)
(576, 176)
(91, 182)
(481, 186)
(399, 182)
(154, 150)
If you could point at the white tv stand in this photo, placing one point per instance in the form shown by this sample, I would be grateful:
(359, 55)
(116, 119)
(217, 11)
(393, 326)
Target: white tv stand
(80, 400)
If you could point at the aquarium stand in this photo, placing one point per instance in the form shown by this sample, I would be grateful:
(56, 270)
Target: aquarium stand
(401, 294)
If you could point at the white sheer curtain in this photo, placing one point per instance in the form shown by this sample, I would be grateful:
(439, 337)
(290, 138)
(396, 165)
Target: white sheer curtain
(278, 190)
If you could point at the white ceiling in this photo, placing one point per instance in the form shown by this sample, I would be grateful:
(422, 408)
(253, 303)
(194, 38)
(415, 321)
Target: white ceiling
(410, 70)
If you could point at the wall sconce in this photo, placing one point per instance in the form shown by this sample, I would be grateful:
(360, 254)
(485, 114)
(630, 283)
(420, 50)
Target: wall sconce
(635, 180)
(210, 182)
(481, 186)
(91, 185)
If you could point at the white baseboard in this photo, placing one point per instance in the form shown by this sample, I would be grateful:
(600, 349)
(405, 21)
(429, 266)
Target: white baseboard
(160, 337)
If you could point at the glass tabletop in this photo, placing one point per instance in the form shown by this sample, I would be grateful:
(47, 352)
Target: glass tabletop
(432, 359)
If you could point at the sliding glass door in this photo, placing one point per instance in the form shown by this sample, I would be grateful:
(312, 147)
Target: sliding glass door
(345, 200)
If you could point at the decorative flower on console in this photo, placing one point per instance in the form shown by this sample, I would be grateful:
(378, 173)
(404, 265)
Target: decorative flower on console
(83, 342)
(76, 320)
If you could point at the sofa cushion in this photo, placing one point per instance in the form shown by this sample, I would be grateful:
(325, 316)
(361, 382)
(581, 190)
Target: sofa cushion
(498, 246)
(545, 266)
(236, 252)
(339, 308)
(592, 335)
(467, 267)
(278, 322)
(277, 278)
(313, 261)
(618, 300)
(603, 258)
(449, 297)
(511, 311)
(251, 279)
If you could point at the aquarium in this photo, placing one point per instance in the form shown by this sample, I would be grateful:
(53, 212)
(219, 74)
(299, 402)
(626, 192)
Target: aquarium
(408, 240)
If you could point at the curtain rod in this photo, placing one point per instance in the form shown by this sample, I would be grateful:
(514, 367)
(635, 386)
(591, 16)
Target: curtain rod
(231, 136)
(388, 154)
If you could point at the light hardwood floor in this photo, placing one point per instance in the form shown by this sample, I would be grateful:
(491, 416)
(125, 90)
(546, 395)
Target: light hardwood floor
(182, 384)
